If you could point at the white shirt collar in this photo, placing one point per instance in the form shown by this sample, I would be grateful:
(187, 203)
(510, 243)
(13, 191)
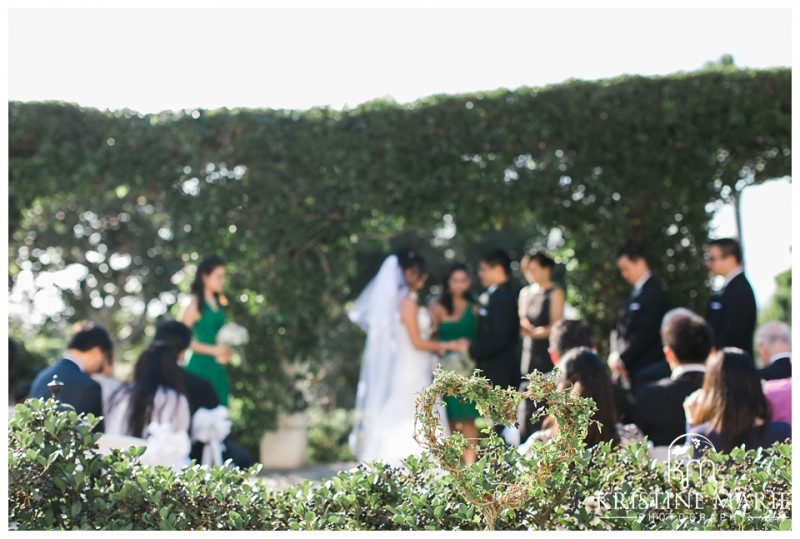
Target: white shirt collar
(732, 275)
(778, 356)
(75, 361)
(643, 279)
(491, 289)
(687, 367)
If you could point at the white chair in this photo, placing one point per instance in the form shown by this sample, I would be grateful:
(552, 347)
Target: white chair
(211, 427)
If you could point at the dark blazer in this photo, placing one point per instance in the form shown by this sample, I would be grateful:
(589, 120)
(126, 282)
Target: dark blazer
(199, 392)
(732, 315)
(780, 368)
(496, 349)
(79, 390)
(636, 334)
(658, 411)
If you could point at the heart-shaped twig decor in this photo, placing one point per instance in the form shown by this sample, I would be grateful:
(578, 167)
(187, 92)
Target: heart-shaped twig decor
(502, 478)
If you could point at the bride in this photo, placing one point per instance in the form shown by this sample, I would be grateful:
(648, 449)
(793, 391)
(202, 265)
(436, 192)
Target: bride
(397, 362)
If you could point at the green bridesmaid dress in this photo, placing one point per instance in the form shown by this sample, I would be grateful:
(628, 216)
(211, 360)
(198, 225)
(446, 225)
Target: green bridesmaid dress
(463, 328)
(205, 331)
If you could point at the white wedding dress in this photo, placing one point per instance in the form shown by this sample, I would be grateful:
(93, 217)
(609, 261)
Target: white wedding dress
(393, 372)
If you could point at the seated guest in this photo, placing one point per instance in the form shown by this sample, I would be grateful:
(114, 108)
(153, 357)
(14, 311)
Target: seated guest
(661, 369)
(658, 411)
(582, 372)
(156, 395)
(774, 347)
(86, 351)
(568, 334)
(779, 394)
(730, 409)
(199, 391)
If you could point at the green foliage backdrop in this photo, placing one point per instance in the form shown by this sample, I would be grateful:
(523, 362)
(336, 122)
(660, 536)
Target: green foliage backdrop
(304, 205)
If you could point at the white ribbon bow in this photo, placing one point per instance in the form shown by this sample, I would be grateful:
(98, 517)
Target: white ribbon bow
(165, 447)
(211, 426)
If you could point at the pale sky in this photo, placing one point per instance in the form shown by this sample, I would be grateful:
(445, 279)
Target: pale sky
(150, 60)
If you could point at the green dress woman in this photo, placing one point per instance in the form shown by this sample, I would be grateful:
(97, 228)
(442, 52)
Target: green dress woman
(204, 315)
(463, 328)
(456, 320)
(205, 331)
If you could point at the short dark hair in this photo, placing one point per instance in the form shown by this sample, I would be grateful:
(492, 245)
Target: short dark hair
(498, 257)
(632, 251)
(690, 338)
(175, 334)
(540, 257)
(568, 334)
(90, 336)
(729, 247)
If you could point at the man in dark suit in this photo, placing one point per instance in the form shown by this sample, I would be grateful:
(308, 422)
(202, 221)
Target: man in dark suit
(496, 349)
(732, 310)
(199, 391)
(658, 411)
(86, 351)
(774, 347)
(635, 339)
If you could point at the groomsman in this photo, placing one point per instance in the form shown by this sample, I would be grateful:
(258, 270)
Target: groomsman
(635, 339)
(496, 349)
(732, 310)
(86, 351)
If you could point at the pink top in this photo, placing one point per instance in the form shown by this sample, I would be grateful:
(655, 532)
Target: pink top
(779, 395)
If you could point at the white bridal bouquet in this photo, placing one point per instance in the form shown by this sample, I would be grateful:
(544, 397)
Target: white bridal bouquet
(458, 363)
(232, 335)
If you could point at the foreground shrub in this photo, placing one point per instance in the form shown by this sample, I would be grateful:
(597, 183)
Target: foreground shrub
(57, 481)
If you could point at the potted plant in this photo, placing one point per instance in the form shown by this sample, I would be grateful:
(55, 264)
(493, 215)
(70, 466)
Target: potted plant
(285, 448)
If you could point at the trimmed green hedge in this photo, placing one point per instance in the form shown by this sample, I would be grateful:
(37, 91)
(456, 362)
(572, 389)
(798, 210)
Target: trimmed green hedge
(56, 481)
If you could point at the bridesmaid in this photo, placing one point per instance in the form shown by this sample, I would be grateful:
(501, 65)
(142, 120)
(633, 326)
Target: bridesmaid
(541, 304)
(204, 315)
(454, 313)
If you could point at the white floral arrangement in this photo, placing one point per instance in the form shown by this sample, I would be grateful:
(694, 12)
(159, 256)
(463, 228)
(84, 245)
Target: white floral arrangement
(458, 363)
(232, 335)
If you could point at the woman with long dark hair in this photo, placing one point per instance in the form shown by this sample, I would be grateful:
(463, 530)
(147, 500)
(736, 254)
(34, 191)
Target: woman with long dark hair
(156, 395)
(730, 409)
(205, 316)
(454, 314)
(583, 372)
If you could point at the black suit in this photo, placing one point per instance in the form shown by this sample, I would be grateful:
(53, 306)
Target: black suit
(732, 315)
(778, 369)
(79, 390)
(496, 349)
(636, 334)
(659, 407)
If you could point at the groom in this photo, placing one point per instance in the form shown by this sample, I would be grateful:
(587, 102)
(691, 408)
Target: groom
(496, 348)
